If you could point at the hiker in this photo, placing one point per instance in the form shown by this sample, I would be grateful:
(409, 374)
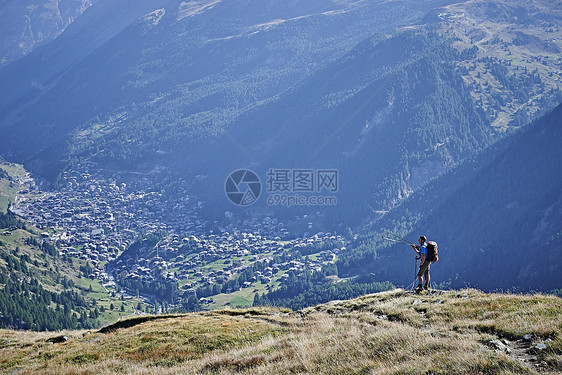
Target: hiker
(421, 251)
(426, 251)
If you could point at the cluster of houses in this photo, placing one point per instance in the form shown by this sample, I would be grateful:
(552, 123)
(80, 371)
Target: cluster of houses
(96, 219)
(193, 260)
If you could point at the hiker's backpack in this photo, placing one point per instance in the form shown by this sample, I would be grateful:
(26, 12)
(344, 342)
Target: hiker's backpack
(432, 254)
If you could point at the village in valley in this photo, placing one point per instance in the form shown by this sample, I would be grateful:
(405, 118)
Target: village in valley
(140, 244)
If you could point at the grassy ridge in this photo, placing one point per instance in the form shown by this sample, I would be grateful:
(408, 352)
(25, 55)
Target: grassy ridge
(386, 333)
(11, 176)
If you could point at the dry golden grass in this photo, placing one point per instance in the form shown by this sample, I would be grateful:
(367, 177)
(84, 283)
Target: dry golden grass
(387, 333)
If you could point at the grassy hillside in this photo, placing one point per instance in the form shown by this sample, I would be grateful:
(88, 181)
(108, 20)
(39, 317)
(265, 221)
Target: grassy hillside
(39, 289)
(13, 178)
(35, 282)
(387, 333)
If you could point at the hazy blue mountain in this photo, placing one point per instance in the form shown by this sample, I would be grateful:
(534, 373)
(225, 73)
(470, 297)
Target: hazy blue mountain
(32, 79)
(392, 94)
(392, 114)
(150, 62)
(497, 218)
(373, 115)
(28, 24)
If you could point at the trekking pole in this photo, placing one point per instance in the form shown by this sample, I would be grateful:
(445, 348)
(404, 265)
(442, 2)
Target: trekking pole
(400, 238)
(413, 283)
(410, 243)
(394, 240)
(415, 267)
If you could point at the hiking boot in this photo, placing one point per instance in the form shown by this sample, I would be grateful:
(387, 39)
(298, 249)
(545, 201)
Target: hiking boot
(418, 289)
(426, 287)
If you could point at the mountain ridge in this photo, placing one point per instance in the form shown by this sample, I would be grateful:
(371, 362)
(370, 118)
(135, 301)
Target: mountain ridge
(37, 23)
(387, 333)
(175, 106)
(475, 234)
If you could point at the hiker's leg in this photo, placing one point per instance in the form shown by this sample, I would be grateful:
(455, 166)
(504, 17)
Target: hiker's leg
(421, 272)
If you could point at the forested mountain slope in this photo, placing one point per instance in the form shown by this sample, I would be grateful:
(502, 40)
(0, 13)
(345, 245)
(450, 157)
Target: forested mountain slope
(201, 90)
(37, 289)
(155, 76)
(497, 218)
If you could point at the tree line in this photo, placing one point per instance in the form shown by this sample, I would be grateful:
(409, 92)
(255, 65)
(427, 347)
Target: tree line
(25, 304)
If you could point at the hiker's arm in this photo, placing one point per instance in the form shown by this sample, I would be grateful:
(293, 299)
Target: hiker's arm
(416, 249)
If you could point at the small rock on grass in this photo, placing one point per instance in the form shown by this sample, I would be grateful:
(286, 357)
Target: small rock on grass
(57, 339)
(500, 346)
